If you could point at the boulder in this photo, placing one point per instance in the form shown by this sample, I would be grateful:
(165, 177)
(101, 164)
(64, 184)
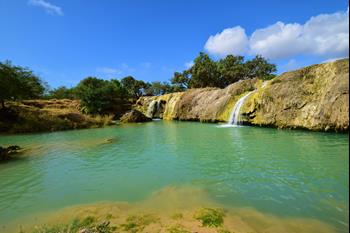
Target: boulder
(6, 153)
(134, 116)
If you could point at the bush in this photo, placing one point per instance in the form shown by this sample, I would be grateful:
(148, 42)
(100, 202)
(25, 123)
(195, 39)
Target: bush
(99, 96)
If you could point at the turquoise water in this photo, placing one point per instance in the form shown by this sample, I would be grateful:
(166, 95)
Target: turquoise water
(282, 172)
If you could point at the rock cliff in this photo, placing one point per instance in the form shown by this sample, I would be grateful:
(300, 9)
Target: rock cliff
(314, 97)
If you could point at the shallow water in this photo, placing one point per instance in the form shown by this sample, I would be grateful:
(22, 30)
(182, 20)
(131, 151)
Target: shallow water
(289, 174)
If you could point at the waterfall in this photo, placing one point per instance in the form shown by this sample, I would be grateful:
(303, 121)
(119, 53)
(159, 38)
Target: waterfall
(152, 108)
(235, 117)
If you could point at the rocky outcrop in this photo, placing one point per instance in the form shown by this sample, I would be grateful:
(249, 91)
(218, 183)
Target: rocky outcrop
(203, 104)
(134, 116)
(314, 97)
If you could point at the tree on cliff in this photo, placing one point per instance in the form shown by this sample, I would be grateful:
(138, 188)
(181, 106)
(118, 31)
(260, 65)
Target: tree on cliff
(181, 80)
(231, 69)
(204, 72)
(99, 96)
(135, 88)
(260, 68)
(17, 82)
(158, 88)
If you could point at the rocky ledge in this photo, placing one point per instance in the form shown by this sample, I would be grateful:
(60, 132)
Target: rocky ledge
(314, 98)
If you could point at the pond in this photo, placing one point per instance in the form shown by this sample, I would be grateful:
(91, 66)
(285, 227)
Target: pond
(280, 173)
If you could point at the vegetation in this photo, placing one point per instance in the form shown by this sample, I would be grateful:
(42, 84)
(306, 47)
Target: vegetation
(210, 217)
(105, 98)
(208, 73)
(88, 224)
(158, 88)
(204, 72)
(99, 96)
(62, 92)
(17, 82)
(48, 115)
(134, 88)
(136, 223)
(177, 216)
(178, 229)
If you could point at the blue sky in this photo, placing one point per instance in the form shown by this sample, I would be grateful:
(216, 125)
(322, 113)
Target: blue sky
(64, 41)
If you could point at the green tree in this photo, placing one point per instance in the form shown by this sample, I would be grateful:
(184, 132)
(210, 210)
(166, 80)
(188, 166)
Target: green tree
(161, 88)
(204, 72)
(17, 82)
(62, 93)
(99, 96)
(158, 88)
(260, 68)
(181, 80)
(208, 73)
(231, 70)
(135, 88)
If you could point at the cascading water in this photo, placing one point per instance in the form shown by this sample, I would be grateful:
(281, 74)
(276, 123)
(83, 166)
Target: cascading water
(235, 117)
(152, 108)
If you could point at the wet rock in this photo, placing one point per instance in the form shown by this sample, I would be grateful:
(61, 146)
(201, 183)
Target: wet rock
(6, 153)
(134, 116)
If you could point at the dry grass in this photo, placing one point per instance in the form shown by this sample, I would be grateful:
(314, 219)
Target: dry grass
(48, 115)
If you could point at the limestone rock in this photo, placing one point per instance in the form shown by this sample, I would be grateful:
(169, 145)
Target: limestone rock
(314, 98)
(134, 116)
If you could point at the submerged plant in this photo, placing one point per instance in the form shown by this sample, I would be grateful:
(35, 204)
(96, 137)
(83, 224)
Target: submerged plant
(210, 217)
(177, 216)
(178, 229)
(137, 223)
(86, 225)
(224, 231)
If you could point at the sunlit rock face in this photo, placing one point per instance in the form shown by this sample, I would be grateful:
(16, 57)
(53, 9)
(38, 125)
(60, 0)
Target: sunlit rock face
(202, 104)
(314, 97)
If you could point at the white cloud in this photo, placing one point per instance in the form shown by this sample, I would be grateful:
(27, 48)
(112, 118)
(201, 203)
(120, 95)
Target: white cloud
(325, 35)
(229, 41)
(277, 41)
(189, 64)
(48, 7)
